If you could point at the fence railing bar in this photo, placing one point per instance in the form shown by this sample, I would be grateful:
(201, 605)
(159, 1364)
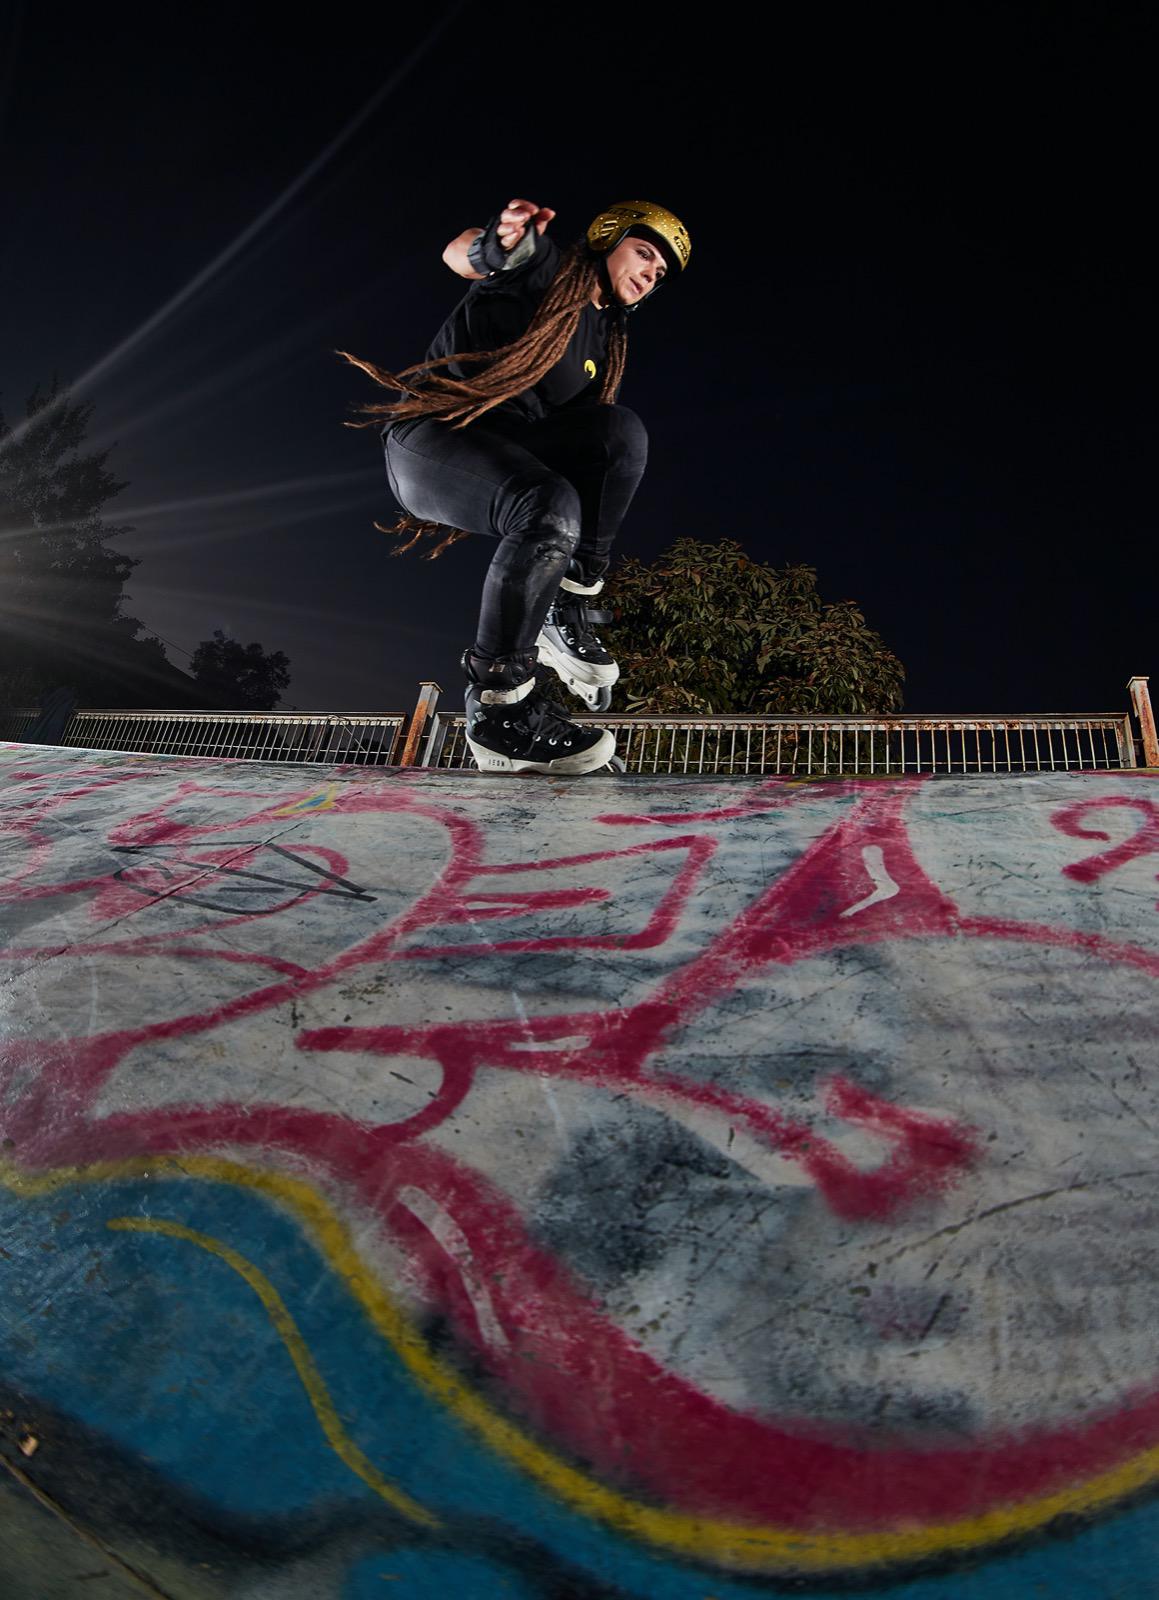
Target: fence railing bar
(766, 745)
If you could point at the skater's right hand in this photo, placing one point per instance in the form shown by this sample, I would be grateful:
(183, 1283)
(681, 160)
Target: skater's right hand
(515, 219)
(510, 227)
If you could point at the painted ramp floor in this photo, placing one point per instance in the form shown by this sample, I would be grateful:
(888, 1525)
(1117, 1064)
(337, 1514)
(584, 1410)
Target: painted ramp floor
(426, 1184)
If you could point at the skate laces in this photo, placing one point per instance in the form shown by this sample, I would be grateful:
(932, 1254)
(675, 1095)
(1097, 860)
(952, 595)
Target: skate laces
(578, 620)
(545, 718)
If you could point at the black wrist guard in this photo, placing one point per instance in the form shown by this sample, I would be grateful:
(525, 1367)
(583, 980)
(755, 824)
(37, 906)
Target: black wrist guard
(487, 255)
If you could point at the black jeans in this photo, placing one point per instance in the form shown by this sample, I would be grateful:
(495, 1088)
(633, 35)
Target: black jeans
(547, 490)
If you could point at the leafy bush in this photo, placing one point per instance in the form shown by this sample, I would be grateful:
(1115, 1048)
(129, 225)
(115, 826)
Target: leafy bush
(706, 629)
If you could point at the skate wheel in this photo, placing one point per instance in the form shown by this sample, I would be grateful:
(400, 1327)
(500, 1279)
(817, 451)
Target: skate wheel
(616, 764)
(603, 700)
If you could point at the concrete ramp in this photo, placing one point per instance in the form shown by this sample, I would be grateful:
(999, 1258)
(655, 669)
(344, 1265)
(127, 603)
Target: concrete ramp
(424, 1184)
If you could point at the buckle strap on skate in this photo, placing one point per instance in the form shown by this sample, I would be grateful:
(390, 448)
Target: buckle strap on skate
(569, 610)
(573, 587)
(506, 697)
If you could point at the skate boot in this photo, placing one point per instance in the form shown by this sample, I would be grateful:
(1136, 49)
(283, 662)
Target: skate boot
(569, 645)
(512, 726)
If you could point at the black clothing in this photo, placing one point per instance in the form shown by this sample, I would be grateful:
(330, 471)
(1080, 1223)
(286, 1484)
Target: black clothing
(547, 490)
(495, 311)
(550, 473)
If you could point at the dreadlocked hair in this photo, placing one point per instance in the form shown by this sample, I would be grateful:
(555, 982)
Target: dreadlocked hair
(424, 530)
(512, 369)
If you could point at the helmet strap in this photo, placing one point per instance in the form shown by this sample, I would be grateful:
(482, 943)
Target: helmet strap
(606, 294)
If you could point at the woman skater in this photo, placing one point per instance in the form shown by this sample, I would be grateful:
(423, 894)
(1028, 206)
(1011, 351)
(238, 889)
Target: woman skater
(510, 427)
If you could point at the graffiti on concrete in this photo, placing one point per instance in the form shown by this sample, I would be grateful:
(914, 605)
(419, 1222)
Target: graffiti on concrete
(644, 1187)
(1076, 820)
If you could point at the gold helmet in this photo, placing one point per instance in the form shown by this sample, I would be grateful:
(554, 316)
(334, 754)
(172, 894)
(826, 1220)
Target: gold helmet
(614, 225)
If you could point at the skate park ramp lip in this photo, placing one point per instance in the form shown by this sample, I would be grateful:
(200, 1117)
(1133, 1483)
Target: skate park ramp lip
(728, 1184)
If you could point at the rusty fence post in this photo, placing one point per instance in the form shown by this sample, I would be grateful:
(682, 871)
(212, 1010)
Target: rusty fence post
(1141, 699)
(424, 709)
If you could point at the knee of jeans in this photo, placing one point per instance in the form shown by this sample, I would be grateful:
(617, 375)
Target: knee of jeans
(624, 434)
(548, 510)
(540, 556)
(559, 537)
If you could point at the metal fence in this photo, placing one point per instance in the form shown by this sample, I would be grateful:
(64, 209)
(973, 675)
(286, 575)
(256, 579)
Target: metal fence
(827, 747)
(324, 738)
(16, 723)
(713, 746)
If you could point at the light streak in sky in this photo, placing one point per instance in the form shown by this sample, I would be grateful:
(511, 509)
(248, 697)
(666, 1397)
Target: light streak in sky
(369, 478)
(213, 268)
(228, 379)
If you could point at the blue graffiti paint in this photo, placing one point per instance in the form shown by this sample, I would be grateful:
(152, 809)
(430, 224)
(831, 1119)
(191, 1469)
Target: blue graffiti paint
(421, 1574)
(164, 1349)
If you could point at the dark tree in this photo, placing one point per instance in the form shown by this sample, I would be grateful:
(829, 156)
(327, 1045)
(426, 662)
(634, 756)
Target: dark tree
(707, 629)
(60, 582)
(239, 677)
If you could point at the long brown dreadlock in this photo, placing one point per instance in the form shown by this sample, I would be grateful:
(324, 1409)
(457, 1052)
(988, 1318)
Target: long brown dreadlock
(512, 369)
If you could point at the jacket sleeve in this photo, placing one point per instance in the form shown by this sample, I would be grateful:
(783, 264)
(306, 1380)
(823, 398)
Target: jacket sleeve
(497, 310)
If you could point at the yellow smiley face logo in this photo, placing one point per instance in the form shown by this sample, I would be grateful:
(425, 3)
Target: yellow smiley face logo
(590, 368)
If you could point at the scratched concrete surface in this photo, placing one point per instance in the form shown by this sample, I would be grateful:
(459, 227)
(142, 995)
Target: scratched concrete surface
(615, 1187)
(41, 1555)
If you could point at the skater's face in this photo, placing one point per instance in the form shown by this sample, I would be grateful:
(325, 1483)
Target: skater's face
(635, 267)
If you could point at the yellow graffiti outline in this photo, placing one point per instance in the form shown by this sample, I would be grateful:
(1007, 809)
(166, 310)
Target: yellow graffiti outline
(275, 1307)
(321, 800)
(737, 1545)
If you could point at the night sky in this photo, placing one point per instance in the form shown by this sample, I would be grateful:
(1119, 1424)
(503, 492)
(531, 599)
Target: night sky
(914, 347)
